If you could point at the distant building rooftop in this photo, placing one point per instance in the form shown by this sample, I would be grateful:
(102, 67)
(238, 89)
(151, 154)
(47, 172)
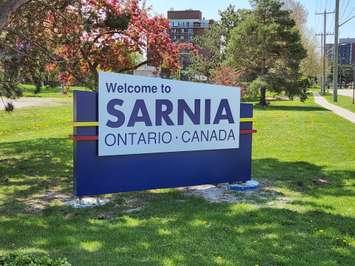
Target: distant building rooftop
(347, 40)
(185, 14)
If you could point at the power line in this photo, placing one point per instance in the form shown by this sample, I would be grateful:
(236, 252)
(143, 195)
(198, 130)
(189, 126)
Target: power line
(344, 9)
(349, 17)
(346, 21)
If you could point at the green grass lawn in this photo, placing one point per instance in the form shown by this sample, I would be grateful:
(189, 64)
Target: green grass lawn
(343, 101)
(296, 143)
(48, 92)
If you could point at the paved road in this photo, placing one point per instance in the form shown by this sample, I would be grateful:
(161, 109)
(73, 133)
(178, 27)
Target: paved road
(346, 114)
(32, 101)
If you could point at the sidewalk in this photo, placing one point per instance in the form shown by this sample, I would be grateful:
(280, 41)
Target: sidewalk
(335, 109)
(32, 102)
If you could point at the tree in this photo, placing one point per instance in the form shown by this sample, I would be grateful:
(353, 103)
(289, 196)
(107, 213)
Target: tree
(267, 45)
(80, 37)
(345, 74)
(9, 76)
(30, 60)
(310, 65)
(209, 55)
(7, 8)
(211, 45)
(227, 76)
(229, 19)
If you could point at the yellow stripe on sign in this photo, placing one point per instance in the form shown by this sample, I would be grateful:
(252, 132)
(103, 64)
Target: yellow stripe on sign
(245, 120)
(85, 124)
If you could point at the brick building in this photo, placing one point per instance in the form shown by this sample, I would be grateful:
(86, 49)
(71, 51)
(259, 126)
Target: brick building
(184, 26)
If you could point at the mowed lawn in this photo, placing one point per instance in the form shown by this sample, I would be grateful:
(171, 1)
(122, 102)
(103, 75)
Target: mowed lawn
(343, 101)
(296, 144)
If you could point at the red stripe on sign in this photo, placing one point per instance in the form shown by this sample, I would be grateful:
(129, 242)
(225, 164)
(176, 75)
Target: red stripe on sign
(247, 131)
(94, 138)
(84, 138)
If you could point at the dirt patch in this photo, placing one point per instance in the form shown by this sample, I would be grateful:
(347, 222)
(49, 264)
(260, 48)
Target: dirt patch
(265, 194)
(211, 193)
(38, 203)
(131, 203)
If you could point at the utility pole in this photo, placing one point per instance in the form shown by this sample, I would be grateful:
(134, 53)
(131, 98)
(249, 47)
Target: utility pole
(324, 52)
(336, 52)
(322, 90)
(324, 42)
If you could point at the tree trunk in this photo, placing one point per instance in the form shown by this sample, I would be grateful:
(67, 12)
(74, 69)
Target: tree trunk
(7, 8)
(263, 97)
(38, 87)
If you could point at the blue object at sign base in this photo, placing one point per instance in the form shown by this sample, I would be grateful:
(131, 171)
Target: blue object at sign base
(249, 185)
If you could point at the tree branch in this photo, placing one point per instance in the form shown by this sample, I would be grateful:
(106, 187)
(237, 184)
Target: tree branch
(134, 67)
(8, 8)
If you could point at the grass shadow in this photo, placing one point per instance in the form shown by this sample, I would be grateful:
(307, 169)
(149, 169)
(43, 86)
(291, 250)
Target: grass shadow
(171, 228)
(30, 167)
(38, 165)
(303, 177)
(186, 232)
(298, 108)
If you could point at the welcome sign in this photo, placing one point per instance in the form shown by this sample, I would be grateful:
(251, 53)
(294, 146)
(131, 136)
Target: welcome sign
(140, 115)
(141, 133)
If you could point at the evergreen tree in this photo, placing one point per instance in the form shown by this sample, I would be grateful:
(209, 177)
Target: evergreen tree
(209, 54)
(267, 46)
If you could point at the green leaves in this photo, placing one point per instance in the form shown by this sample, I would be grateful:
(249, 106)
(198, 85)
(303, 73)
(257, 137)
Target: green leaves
(267, 47)
(116, 22)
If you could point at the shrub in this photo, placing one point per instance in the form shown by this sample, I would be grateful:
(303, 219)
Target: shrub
(23, 259)
(253, 91)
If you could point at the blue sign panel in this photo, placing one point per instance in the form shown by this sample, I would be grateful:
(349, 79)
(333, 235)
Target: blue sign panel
(95, 175)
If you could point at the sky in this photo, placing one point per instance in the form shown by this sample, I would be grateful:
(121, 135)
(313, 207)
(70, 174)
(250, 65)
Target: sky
(210, 9)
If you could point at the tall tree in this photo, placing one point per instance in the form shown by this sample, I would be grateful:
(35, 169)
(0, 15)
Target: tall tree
(267, 45)
(211, 45)
(310, 65)
(9, 76)
(229, 19)
(209, 55)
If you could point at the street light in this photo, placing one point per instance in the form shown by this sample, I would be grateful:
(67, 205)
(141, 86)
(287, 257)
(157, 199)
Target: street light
(353, 84)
